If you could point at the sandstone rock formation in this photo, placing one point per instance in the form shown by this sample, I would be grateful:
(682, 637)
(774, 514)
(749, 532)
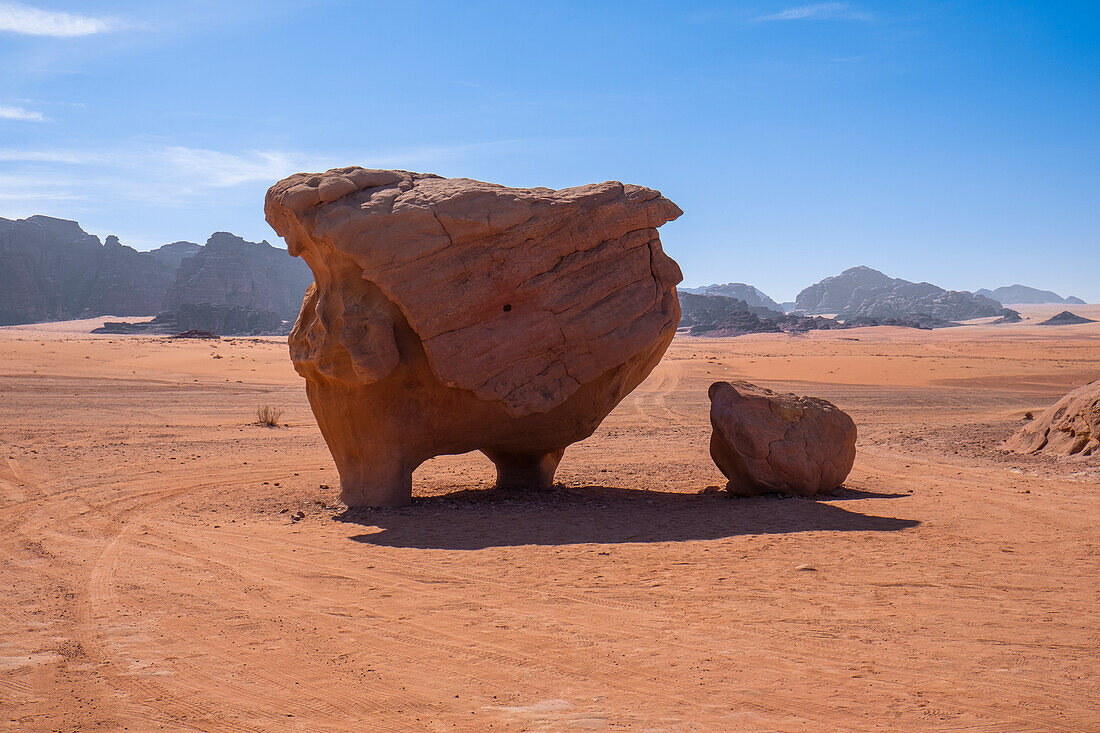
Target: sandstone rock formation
(451, 315)
(1068, 428)
(765, 442)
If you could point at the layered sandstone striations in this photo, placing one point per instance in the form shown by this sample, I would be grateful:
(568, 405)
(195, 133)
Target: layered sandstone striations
(451, 315)
(1068, 428)
(766, 442)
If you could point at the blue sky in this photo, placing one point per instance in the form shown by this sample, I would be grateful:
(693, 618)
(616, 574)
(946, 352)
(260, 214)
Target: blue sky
(954, 142)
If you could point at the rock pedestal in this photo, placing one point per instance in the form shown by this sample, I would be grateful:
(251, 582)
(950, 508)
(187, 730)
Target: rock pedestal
(450, 315)
(766, 442)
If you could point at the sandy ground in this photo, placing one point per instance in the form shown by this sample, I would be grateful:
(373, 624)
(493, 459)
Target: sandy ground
(156, 574)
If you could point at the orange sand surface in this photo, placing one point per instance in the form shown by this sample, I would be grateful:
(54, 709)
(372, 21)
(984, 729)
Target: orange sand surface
(168, 565)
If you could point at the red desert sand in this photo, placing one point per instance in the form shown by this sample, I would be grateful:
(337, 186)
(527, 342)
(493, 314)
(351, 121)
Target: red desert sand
(169, 565)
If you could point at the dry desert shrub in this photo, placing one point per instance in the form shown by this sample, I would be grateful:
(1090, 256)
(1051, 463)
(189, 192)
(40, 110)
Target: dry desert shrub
(268, 416)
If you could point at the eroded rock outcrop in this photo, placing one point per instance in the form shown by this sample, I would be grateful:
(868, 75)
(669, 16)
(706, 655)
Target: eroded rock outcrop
(718, 315)
(1068, 428)
(451, 315)
(767, 442)
(1065, 318)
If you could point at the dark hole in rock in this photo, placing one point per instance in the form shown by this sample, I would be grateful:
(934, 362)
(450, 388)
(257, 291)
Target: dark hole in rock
(507, 308)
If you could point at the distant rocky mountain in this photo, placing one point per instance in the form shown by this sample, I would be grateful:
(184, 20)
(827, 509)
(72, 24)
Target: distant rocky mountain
(835, 294)
(1026, 295)
(862, 292)
(717, 315)
(231, 271)
(741, 291)
(51, 269)
(173, 254)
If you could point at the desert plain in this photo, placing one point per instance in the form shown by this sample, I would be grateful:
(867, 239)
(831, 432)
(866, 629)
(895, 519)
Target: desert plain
(170, 565)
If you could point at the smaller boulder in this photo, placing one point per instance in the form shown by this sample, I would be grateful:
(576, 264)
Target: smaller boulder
(767, 442)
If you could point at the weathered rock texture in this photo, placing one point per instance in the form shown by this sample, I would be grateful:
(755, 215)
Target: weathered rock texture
(451, 315)
(765, 442)
(1069, 428)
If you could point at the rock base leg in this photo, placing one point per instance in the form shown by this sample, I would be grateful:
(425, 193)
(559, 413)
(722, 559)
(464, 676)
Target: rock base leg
(386, 483)
(525, 470)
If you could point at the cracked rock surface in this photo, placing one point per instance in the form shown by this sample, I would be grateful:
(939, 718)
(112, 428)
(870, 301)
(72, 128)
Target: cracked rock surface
(451, 315)
(767, 442)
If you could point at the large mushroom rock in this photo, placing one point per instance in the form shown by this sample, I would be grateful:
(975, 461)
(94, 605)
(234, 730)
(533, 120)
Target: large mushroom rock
(1068, 428)
(450, 315)
(766, 442)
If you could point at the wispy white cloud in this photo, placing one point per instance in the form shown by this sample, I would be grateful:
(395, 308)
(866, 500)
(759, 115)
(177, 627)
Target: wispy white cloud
(18, 113)
(818, 11)
(172, 175)
(27, 20)
(73, 157)
(220, 170)
(163, 190)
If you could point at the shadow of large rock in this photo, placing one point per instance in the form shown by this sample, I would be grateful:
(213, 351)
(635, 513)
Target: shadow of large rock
(476, 520)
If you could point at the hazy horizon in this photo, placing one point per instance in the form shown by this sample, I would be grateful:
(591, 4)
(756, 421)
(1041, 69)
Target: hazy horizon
(953, 143)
